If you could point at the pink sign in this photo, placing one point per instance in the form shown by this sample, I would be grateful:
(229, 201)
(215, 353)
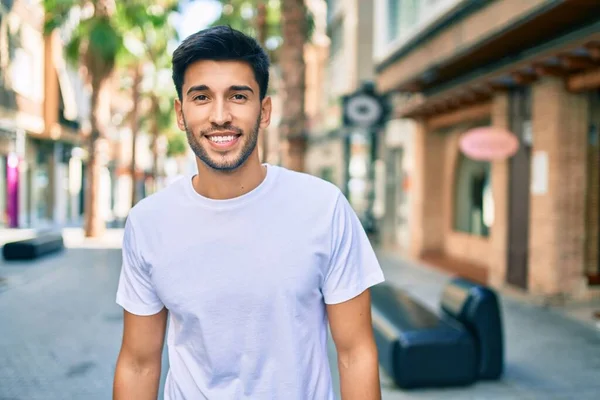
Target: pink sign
(488, 143)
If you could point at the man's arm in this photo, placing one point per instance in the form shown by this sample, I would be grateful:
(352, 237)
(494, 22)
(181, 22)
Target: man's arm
(137, 375)
(352, 334)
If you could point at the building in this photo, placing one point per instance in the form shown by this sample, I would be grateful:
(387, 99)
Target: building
(41, 169)
(529, 221)
(335, 153)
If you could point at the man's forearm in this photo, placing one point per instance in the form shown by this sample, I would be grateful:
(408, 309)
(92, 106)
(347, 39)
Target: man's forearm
(136, 382)
(359, 374)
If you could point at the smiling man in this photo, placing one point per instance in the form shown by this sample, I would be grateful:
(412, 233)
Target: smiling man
(249, 262)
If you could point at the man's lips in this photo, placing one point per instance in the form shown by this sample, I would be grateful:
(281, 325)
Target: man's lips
(223, 140)
(223, 133)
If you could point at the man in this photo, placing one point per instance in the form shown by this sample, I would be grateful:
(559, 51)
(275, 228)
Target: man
(249, 261)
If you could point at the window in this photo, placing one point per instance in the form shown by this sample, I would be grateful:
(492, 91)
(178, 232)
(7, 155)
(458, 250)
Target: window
(409, 16)
(473, 201)
(337, 37)
(393, 18)
(402, 16)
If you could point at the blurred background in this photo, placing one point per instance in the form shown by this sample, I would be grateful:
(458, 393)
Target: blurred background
(465, 134)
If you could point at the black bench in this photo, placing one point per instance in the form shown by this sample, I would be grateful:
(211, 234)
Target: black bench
(419, 348)
(35, 247)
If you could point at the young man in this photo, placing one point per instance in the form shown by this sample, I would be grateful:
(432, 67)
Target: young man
(249, 261)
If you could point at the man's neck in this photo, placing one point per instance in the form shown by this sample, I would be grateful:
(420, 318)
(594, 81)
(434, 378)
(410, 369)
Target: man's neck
(220, 185)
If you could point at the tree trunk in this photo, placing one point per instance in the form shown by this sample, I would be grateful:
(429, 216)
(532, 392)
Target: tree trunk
(94, 224)
(135, 125)
(99, 69)
(294, 28)
(261, 29)
(155, 136)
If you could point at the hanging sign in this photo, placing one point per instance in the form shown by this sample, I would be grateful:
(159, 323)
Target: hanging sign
(488, 144)
(364, 108)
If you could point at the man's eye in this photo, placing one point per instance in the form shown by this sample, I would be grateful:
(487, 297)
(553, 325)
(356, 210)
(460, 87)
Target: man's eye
(200, 97)
(239, 97)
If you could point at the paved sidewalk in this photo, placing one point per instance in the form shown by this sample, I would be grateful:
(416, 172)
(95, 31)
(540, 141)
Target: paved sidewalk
(548, 356)
(60, 332)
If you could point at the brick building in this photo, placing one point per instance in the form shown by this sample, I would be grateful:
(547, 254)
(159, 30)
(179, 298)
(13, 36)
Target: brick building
(42, 104)
(529, 221)
(336, 153)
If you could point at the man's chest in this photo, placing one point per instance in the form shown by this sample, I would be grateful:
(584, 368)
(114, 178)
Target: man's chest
(238, 274)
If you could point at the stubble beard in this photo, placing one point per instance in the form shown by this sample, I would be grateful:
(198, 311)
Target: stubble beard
(223, 164)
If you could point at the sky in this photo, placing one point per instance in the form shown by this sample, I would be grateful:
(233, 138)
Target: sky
(196, 15)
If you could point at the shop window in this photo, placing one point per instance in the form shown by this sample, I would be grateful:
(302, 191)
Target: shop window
(393, 13)
(337, 38)
(473, 201)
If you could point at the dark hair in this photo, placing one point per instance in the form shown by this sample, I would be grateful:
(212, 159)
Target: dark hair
(221, 43)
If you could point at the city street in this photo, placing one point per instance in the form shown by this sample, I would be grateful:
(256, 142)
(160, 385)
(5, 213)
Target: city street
(60, 332)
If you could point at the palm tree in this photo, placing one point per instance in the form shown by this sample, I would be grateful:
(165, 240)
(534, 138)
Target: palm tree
(96, 42)
(147, 38)
(295, 33)
(283, 28)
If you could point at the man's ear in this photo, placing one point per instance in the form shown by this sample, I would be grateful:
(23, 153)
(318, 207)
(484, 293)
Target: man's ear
(179, 113)
(266, 108)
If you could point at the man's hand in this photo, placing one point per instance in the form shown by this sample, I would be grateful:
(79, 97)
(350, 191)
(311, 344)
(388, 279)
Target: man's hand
(137, 375)
(352, 333)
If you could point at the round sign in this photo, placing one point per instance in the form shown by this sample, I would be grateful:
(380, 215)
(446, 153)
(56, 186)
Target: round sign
(488, 144)
(363, 110)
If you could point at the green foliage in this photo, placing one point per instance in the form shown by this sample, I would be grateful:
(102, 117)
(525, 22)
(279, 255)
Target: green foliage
(241, 15)
(177, 144)
(100, 36)
(104, 39)
(143, 20)
(57, 12)
(166, 116)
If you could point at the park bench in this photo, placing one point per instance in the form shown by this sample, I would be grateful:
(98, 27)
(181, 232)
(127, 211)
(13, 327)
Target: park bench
(459, 345)
(41, 244)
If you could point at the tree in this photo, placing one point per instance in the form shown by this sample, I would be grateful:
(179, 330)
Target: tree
(293, 71)
(147, 37)
(97, 42)
(282, 27)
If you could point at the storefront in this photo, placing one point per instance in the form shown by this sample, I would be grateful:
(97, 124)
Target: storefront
(10, 167)
(592, 206)
(528, 221)
(55, 177)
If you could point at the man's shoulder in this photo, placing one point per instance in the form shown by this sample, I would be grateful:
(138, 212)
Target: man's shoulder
(157, 203)
(308, 184)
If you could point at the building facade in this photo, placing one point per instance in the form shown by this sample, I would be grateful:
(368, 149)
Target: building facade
(529, 221)
(41, 172)
(338, 154)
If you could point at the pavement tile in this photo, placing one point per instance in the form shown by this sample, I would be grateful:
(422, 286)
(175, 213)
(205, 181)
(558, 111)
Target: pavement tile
(60, 332)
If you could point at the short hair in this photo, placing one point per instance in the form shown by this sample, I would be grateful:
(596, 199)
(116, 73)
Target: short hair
(221, 43)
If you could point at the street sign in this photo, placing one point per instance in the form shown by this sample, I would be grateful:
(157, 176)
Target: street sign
(364, 108)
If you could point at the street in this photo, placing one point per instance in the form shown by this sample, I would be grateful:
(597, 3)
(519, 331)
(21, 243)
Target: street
(60, 333)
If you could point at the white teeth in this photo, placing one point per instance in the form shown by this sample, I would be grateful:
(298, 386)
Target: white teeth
(221, 139)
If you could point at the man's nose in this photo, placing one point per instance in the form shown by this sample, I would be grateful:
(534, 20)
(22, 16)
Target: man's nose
(220, 113)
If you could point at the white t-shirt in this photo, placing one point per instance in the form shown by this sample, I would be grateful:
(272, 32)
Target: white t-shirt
(246, 281)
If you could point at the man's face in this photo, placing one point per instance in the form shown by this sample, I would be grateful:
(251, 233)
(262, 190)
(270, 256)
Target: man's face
(222, 113)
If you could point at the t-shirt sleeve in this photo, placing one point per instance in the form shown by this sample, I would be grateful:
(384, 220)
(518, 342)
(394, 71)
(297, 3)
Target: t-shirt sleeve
(135, 292)
(353, 266)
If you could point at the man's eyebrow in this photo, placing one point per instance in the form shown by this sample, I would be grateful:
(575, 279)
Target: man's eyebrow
(241, 88)
(197, 88)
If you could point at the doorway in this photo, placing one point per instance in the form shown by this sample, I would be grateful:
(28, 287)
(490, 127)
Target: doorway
(395, 220)
(592, 203)
(519, 182)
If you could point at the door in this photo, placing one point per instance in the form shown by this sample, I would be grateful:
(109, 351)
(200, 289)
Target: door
(519, 181)
(394, 199)
(592, 220)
